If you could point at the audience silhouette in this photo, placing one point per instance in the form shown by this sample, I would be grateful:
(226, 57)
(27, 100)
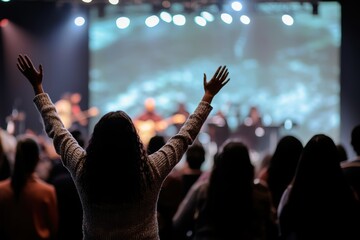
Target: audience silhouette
(282, 166)
(319, 203)
(28, 206)
(230, 205)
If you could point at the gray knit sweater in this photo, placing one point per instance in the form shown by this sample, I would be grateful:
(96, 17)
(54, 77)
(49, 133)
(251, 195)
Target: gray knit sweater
(135, 220)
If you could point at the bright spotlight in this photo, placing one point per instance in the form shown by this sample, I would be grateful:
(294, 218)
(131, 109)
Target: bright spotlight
(166, 17)
(4, 22)
(179, 20)
(152, 21)
(287, 19)
(79, 21)
(87, 1)
(122, 22)
(227, 18)
(113, 2)
(237, 6)
(245, 19)
(200, 21)
(207, 16)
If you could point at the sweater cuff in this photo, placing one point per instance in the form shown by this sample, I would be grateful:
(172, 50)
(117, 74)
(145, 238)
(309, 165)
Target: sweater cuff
(42, 99)
(205, 106)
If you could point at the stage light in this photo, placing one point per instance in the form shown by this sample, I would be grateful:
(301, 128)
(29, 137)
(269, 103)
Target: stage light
(237, 6)
(179, 19)
(4, 22)
(113, 2)
(287, 19)
(200, 21)
(166, 17)
(227, 18)
(244, 19)
(79, 21)
(122, 22)
(207, 16)
(152, 21)
(87, 1)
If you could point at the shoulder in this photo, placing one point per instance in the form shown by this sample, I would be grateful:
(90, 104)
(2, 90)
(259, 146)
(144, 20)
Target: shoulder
(351, 163)
(41, 185)
(4, 184)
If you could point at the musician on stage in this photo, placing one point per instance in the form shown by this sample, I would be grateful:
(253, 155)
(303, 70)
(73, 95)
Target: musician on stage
(149, 123)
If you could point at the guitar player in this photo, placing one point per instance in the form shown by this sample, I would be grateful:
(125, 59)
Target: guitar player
(150, 123)
(70, 112)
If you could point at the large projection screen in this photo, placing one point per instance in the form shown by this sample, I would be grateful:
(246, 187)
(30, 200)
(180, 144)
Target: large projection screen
(287, 72)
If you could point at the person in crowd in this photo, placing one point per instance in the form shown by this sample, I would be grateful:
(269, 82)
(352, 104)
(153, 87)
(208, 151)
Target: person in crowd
(230, 205)
(195, 157)
(343, 156)
(8, 144)
(155, 143)
(176, 185)
(5, 170)
(283, 165)
(118, 183)
(69, 204)
(261, 172)
(149, 122)
(319, 203)
(28, 206)
(180, 116)
(351, 168)
(218, 128)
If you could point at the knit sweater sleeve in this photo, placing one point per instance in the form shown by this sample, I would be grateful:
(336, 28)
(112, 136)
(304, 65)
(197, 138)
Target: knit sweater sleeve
(165, 159)
(71, 153)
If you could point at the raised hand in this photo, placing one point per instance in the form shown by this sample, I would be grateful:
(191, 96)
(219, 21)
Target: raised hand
(218, 81)
(34, 76)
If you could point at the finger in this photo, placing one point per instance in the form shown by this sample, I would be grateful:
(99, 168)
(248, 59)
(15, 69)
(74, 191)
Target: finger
(41, 69)
(204, 80)
(20, 68)
(28, 62)
(221, 71)
(217, 72)
(21, 61)
(225, 82)
(225, 76)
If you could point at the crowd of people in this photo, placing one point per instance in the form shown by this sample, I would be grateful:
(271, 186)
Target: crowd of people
(115, 186)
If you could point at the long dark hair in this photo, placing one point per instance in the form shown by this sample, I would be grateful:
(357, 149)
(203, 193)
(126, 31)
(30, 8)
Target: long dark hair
(283, 165)
(230, 193)
(26, 159)
(319, 194)
(116, 168)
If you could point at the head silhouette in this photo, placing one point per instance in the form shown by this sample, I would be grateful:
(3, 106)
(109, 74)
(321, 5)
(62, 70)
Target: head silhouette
(355, 139)
(230, 187)
(26, 159)
(283, 165)
(116, 158)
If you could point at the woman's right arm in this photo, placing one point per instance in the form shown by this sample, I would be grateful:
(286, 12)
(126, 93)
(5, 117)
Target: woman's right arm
(65, 144)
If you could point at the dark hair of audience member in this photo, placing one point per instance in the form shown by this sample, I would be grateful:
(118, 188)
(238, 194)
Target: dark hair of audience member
(355, 139)
(5, 170)
(283, 165)
(27, 157)
(342, 153)
(78, 135)
(115, 136)
(320, 194)
(232, 170)
(155, 143)
(195, 156)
